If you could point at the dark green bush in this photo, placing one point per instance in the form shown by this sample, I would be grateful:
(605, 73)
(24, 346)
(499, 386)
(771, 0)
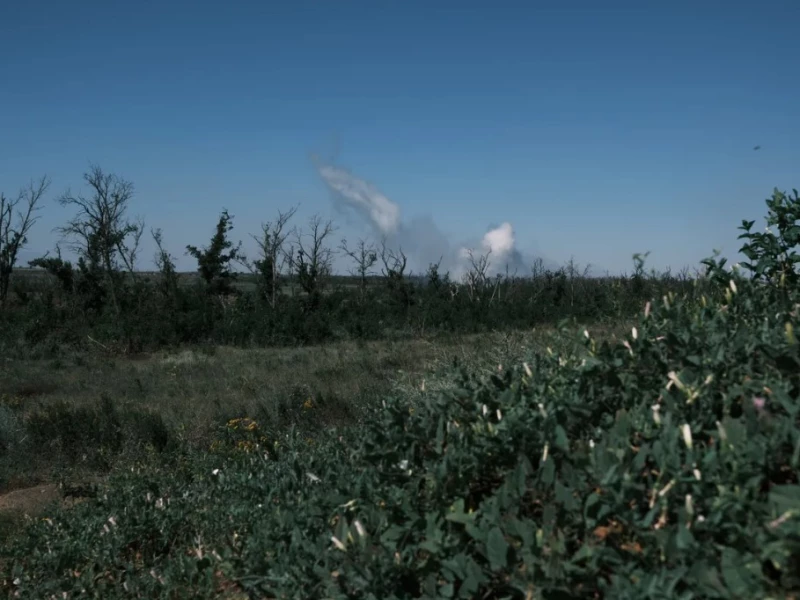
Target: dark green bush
(93, 435)
(76, 432)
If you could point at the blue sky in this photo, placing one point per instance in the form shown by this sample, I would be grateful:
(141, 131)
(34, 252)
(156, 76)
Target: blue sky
(598, 129)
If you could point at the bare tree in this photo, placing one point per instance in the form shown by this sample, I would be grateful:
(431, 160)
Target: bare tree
(476, 278)
(273, 257)
(14, 233)
(574, 274)
(394, 262)
(313, 260)
(100, 232)
(479, 284)
(394, 268)
(365, 257)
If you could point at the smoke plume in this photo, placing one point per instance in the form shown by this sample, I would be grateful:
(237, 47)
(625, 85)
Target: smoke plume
(420, 238)
(363, 197)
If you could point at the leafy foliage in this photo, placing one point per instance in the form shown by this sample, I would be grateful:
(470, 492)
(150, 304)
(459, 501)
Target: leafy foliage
(663, 465)
(774, 255)
(214, 261)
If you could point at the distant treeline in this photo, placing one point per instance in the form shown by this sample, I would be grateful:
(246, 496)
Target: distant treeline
(152, 311)
(288, 295)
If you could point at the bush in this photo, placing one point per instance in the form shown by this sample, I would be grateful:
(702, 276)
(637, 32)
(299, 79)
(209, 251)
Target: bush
(93, 435)
(76, 432)
(11, 431)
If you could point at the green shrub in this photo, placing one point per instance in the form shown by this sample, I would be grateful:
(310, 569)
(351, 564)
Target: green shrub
(93, 435)
(76, 432)
(11, 430)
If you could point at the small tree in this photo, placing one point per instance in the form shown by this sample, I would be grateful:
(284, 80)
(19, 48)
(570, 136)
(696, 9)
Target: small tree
(313, 260)
(101, 234)
(213, 262)
(772, 255)
(477, 277)
(168, 284)
(17, 216)
(57, 267)
(273, 258)
(394, 270)
(365, 257)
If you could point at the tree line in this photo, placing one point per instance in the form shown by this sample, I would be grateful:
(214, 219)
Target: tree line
(285, 294)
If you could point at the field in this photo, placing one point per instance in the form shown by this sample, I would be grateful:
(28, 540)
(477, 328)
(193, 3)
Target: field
(184, 396)
(189, 393)
(552, 437)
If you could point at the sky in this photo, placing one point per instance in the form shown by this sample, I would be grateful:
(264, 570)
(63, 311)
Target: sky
(595, 130)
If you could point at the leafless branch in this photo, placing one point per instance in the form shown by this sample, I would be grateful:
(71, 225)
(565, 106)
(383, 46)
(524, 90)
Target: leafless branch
(312, 260)
(100, 231)
(273, 255)
(14, 233)
(394, 262)
(365, 257)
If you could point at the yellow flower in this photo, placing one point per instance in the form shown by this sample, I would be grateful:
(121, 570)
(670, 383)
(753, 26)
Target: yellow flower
(308, 405)
(245, 446)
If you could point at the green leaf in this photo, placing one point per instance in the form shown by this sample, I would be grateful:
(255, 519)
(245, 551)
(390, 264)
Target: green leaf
(564, 497)
(693, 359)
(708, 579)
(475, 532)
(785, 497)
(457, 513)
(474, 579)
(739, 580)
(431, 546)
(497, 549)
(548, 472)
(588, 508)
(562, 442)
(584, 552)
(684, 538)
(392, 535)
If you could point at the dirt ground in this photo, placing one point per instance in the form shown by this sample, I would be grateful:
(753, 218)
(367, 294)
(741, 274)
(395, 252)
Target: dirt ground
(18, 506)
(30, 501)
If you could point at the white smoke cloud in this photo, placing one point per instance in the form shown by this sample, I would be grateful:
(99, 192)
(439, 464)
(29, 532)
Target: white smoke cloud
(422, 241)
(363, 196)
(500, 241)
(498, 245)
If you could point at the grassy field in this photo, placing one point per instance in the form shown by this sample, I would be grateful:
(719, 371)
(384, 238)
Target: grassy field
(37, 279)
(89, 414)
